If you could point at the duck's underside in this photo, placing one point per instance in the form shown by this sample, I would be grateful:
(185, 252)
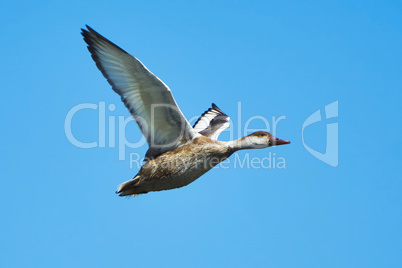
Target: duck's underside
(176, 168)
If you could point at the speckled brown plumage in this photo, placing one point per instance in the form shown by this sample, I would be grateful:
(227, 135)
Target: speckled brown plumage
(177, 168)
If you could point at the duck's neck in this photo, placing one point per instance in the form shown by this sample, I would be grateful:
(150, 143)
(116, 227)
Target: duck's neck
(244, 143)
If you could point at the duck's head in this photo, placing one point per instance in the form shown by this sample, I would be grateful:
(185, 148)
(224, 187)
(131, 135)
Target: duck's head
(262, 139)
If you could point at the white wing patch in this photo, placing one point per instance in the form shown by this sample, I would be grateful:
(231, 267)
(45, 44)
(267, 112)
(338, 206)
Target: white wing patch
(212, 122)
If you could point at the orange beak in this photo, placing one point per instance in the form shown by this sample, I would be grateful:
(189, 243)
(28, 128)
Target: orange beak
(276, 141)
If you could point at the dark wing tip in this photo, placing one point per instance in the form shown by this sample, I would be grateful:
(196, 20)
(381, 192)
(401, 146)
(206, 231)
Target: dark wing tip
(84, 33)
(217, 109)
(87, 31)
(91, 37)
(89, 28)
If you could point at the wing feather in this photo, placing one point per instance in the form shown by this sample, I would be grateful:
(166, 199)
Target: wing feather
(212, 122)
(148, 99)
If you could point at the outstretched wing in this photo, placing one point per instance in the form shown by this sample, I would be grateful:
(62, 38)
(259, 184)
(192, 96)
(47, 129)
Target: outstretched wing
(212, 122)
(148, 99)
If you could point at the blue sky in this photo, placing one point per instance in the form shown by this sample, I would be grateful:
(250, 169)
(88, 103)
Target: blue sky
(290, 59)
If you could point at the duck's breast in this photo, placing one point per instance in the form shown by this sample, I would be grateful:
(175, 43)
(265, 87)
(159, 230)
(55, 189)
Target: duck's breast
(183, 165)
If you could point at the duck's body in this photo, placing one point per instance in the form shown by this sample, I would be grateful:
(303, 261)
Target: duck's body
(178, 153)
(178, 167)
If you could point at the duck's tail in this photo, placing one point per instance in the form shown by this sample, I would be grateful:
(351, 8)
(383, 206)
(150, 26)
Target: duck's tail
(130, 187)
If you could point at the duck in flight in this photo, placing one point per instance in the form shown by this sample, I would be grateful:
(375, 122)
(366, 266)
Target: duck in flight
(178, 153)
